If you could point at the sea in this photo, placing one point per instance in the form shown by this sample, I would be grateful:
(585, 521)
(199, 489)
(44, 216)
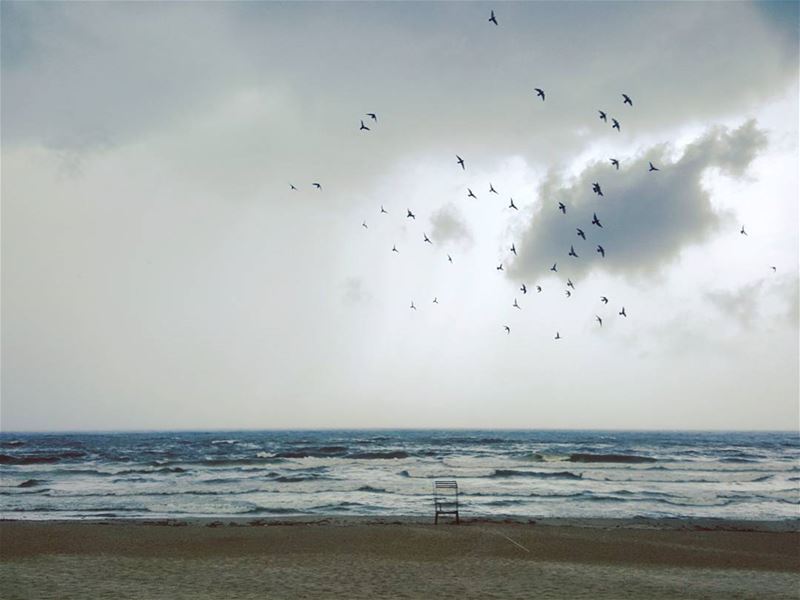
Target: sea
(517, 474)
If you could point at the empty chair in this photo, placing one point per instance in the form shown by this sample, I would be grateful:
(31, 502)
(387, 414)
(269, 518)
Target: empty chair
(445, 499)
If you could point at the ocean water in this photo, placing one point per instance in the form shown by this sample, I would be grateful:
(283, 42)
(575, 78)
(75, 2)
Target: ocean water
(515, 473)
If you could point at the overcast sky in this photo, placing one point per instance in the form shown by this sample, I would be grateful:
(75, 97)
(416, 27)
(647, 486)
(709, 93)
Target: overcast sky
(158, 272)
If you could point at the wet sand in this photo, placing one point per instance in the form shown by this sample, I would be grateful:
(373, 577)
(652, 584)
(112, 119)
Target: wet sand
(398, 558)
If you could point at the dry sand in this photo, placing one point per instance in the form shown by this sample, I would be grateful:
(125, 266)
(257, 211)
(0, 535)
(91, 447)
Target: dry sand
(361, 558)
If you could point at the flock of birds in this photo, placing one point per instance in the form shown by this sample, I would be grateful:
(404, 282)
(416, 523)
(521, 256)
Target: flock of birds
(372, 119)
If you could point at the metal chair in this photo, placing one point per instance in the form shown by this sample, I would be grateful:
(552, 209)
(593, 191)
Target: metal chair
(445, 499)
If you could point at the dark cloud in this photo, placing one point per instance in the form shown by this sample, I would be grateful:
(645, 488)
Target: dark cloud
(449, 226)
(647, 217)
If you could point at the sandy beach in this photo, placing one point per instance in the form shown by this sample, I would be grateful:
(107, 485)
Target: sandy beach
(399, 558)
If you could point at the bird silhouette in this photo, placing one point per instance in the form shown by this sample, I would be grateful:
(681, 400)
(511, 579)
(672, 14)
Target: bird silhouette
(562, 208)
(570, 284)
(412, 306)
(615, 124)
(449, 258)
(538, 289)
(524, 289)
(364, 127)
(743, 232)
(603, 299)
(626, 99)
(470, 194)
(514, 249)
(373, 116)
(461, 162)
(572, 252)
(515, 305)
(364, 225)
(558, 336)
(383, 211)
(553, 268)
(580, 233)
(435, 300)
(394, 249)
(410, 215)
(652, 168)
(622, 312)
(596, 189)
(500, 267)
(539, 93)
(317, 185)
(601, 250)
(491, 189)
(603, 116)
(512, 205)
(425, 238)
(615, 163)
(599, 320)
(507, 328)
(596, 221)
(774, 269)
(492, 19)
(291, 187)
(568, 293)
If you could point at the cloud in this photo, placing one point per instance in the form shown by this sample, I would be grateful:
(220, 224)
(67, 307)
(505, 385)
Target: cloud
(354, 293)
(742, 304)
(450, 226)
(647, 217)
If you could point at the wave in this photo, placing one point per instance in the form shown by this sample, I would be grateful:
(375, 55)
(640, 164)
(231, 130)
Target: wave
(609, 458)
(369, 488)
(34, 459)
(378, 455)
(538, 474)
(12, 444)
(30, 483)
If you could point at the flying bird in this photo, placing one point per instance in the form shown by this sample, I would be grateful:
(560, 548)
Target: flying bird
(596, 189)
(599, 320)
(500, 267)
(512, 205)
(461, 162)
(364, 225)
(317, 185)
(553, 268)
(507, 328)
(373, 116)
(774, 269)
(425, 238)
(615, 124)
(412, 306)
(601, 250)
(743, 232)
(596, 221)
(562, 208)
(394, 249)
(652, 168)
(615, 163)
(383, 211)
(568, 293)
(492, 19)
(449, 258)
(539, 93)
(538, 289)
(603, 116)
(572, 252)
(570, 284)
(603, 299)
(558, 336)
(410, 215)
(291, 187)
(363, 127)
(470, 194)
(626, 99)
(523, 289)
(514, 249)
(491, 189)
(436, 300)
(515, 305)
(580, 233)
(622, 312)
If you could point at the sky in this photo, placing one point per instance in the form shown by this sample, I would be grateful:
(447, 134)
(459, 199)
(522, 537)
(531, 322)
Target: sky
(158, 272)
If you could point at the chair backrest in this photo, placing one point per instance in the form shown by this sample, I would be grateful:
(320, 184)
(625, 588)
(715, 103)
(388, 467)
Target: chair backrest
(445, 488)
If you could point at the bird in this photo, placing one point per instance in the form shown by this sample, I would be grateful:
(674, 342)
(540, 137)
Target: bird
(373, 116)
(622, 312)
(568, 293)
(572, 252)
(515, 305)
(562, 208)
(449, 258)
(425, 238)
(580, 233)
(492, 19)
(538, 289)
(383, 210)
(603, 299)
(524, 289)
(596, 221)
(601, 250)
(615, 163)
(558, 336)
(553, 268)
(652, 168)
(410, 215)
(507, 328)
(603, 116)
(514, 249)
(435, 300)
(512, 205)
(363, 127)
(539, 93)
(470, 194)
(291, 187)
(599, 320)
(743, 232)
(412, 306)
(394, 249)
(461, 162)
(615, 124)
(774, 269)
(596, 189)
(570, 284)
(500, 267)
(364, 224)
(626, 99)
(491, 189)
(317, 185)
